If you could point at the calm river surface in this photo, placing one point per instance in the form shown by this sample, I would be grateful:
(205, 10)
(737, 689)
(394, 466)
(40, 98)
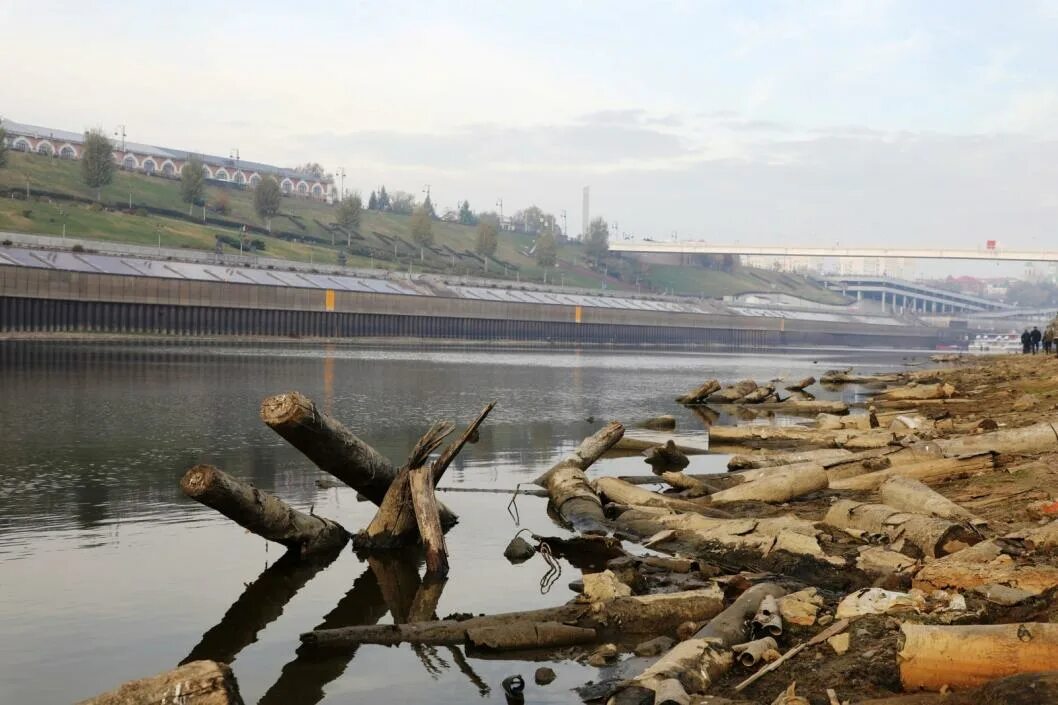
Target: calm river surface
(108, 573)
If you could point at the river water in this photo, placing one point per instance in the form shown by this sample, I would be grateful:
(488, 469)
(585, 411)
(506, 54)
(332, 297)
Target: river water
(108, 573)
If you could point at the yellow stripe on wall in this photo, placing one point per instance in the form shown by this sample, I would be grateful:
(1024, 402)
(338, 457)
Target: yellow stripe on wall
(577, 313)
(329, 300)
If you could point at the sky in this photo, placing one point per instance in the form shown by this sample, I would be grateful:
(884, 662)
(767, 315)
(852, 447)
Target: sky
(853, 123)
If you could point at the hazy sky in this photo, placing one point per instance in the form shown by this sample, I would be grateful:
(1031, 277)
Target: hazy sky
(908, 123)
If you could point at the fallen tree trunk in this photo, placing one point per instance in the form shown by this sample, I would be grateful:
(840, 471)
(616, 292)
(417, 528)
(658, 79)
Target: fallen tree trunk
(1028, 439)
(695, 664)
(333, 448)
(528, 635)
(847, 377)
(699, 394)
(428, 520)
(918, 392)
(780, 485)
(692, 534)
(571, 494)
(792, 407)
(767, 459)
(931, 536)
(911, 495)
(626, 614)
(645, 439)
(195, 683)
(758, 395)
(984, 564)
(771, 436)
(394, 523)
(691, 486)
(935, 657)
(262, 513)
(938, 470)
(621, 492)
(733, 393)
(802, 384)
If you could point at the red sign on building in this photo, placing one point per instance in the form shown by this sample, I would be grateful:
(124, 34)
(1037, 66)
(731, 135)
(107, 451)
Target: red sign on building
(990, 244)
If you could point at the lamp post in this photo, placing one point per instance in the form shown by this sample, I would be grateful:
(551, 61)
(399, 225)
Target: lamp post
(121, 131)
(340, 173)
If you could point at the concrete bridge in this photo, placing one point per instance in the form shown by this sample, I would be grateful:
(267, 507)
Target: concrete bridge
(900, 295)
(705, 248)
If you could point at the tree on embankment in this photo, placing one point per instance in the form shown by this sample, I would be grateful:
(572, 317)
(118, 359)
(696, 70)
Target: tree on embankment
(421, 230)
(3, 146)
(97, 161)
(546, 250)
(267, 197)
(598, 242)
(349, 210)
(192, 183)
(487, 241)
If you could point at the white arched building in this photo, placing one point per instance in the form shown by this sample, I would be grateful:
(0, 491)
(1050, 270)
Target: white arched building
(167, 163)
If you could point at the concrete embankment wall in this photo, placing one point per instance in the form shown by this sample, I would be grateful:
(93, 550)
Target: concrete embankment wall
(42, 300)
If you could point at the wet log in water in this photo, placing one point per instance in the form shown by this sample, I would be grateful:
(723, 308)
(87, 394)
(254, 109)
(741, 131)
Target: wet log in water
(571, 494)
(196, 683)
(332, 447)
(394, 523)
(262, 513)
(630, 614)
(424, 502)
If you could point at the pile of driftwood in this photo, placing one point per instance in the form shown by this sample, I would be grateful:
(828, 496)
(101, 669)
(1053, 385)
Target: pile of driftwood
(900, 544)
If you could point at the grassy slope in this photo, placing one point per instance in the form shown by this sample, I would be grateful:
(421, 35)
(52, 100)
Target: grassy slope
(299, 220)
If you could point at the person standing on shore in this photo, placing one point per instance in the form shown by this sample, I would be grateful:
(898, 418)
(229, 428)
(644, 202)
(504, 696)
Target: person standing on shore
(1048, 339)
(1026, 342)
(1035, 337)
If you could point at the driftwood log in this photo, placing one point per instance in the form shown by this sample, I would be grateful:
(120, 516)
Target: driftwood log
(333, 448)
(644, 614)
(911, 495)
(621, 492)
(970, 655)
(694, 664)
(396, 521)
(766, 459)
(195, 683)
(936, 470)
(699, 394)
(1037, 437)
(931, 536)
(987, 563)
(801, 384)
(777, 485)
(571, 494)
(262, 513)
(428, 520)
(729, 395)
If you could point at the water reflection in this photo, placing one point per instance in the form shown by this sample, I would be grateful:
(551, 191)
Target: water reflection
(259, 605)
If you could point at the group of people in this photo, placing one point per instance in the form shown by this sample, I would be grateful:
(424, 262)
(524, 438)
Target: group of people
(1031, 339)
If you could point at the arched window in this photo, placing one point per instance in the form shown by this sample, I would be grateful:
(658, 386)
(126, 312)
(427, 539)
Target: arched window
(129, 162)
(254, 180)
(168, 168)
(317, 191)
(68, 152)
(149, 166)
(303, 188)
(45, 148)
(221, 174)
(21, 145)
(240, 178)
(287, 185)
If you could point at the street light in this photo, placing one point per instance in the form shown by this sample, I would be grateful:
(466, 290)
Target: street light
(121, 131)
(340, 173)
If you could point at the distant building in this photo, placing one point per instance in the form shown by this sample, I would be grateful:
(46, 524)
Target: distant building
(167, 162)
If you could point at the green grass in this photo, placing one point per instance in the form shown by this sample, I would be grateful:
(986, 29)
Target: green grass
(298, 235)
